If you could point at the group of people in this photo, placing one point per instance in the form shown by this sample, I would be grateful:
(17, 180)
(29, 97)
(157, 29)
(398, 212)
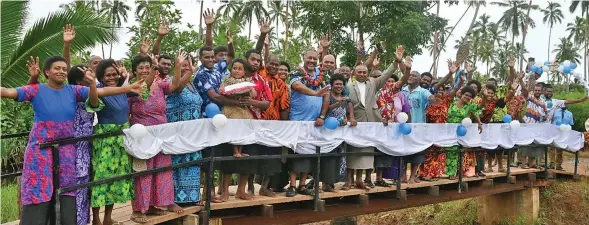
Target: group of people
(162, 89)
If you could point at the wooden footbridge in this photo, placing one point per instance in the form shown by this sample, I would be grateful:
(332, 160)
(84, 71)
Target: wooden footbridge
(300, 209)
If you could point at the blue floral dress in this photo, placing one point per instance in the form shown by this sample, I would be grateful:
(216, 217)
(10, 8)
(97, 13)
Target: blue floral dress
(184, 106)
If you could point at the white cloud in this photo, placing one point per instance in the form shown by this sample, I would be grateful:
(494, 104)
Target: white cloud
(536, 43)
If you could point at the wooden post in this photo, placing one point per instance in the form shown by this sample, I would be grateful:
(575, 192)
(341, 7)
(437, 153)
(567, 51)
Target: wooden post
(434, 191)
(460, 156)
(316, 178)
(363, 200)
(267, 211)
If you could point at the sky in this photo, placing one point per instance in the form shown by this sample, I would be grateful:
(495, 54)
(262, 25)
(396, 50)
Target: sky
(536, 43)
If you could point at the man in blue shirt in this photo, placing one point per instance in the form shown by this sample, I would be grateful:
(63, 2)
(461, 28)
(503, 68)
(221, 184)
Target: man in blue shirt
(418, 98)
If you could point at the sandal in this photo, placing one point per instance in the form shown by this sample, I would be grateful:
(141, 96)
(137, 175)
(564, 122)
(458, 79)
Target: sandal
(382, 183)
(369, 183)
(305, 191)
(328, 188)
(139, 218)
(525, 166)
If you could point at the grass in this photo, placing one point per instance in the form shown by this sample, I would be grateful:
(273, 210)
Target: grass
(9, 202)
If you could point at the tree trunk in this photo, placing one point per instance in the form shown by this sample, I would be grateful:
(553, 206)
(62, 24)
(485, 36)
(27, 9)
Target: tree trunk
(585, 66)
(548, 56)
(436, 40)
(278, 40)
(102, 47)
(200, 23)
(522, 46)
(454, 27)
(286, 23)
(110, 53)
(249, 34)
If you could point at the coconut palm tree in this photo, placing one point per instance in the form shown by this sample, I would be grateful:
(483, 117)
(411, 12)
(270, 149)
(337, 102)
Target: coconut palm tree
(565, 50)
(513, 19)
(249, 10)
(276, 14)
(584, 7)
(44, 38)
(116, 12)
(552, 15)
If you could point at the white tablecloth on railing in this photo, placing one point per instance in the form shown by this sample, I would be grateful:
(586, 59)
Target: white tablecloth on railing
(195, 135)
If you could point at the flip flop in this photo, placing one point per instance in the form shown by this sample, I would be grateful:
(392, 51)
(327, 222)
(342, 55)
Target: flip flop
(139, 218)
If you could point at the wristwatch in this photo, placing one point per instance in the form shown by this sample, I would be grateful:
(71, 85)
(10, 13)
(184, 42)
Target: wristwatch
(321, 117)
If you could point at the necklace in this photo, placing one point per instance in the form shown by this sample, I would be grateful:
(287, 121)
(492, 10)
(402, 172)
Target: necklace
(314, 83)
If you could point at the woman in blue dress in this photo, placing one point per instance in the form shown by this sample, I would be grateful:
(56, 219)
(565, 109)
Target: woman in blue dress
(183, 106)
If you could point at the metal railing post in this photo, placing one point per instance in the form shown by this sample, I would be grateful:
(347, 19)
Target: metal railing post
(317, 179)
(210, 186)
(508, 164)
(56, 184)
(400, 174)
(460, 157)
(545, 160)
(576, 163)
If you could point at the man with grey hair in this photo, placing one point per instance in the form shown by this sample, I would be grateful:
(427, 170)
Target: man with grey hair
(418, 98)
(93, 63)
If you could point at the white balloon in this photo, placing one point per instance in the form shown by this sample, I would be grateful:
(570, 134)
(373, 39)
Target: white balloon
(514, 124)
(561, 69)
(219, 121)
(545, 68)
(466, 121)
(565, 127)
(566, 63)
(138, 131)
(402, 117)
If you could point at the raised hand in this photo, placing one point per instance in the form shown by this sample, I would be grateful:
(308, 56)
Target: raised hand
(33, 65)
(163, 29)
(520, 76)
(144, 47)
(453, 67)
(511, 61)
(324, 42)
(467, 67)
(399, 53)
(120, 68)
(180, 57)
(229, 36)
(154, 60)
(136, 87)
(69, 33)
(265, 28)
(267, 41)
(89, 76)
(408, 62)
(375, 63)
(209, 16)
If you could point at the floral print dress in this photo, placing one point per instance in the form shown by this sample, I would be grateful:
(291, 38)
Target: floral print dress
(184, 106)
(455, 115)
(434, 164)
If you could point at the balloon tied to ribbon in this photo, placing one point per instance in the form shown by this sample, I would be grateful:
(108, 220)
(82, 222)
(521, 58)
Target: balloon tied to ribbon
(138, 131)
(461, 130)
(211, 110)
(331, 123)
(404, 128)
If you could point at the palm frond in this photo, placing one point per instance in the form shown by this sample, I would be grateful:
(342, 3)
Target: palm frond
(14, 14)
(44, 39)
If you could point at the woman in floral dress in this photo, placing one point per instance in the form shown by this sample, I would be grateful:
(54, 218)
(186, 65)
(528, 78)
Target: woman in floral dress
(390, 102)
(109, 158)
(458, 110)
(435, 158)
(54, 105)
(184, 106)
(153, 192)
(342, 109)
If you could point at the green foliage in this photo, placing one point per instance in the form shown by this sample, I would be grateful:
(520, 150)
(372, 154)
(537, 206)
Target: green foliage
(9, 202)
(396, 23)
(240, 43)
(580, 112)
(16, 118)
(44, 39)
(154, 13)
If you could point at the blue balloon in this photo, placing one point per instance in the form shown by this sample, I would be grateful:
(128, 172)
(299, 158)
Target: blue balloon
(534, 68)
(573, 66)
(405, 128)
(331, 123)
(539, 71)
(507, 119)
(558, 123)
(547, 63)
(566, 70)
(549, 105)
(211, 110)
(461, 131)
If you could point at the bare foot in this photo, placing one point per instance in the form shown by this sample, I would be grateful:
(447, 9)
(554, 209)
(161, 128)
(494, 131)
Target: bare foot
(361, 185)
(266, 192)
(175, 208)
(416, 180)
(224, 197)
(110, 221)
(156, 211)
(244, 196)
(244, 155)
(138, 217)
(237, 155)
(346, 187)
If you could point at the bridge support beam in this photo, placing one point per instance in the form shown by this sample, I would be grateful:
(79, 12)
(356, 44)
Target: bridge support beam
(509, 206)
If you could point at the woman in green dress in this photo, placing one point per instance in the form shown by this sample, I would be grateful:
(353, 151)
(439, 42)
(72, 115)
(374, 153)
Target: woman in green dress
(458, 110)
(109, 158)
